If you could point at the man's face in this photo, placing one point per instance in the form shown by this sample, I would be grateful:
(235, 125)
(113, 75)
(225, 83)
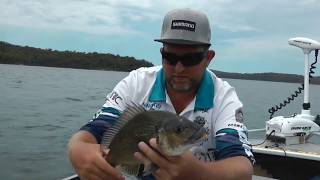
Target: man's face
(183, 76)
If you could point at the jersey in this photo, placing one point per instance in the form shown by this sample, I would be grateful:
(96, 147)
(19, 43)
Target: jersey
(216, 107)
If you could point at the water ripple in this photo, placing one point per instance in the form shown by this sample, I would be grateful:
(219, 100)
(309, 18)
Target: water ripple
(37, 156)
(73, 99)
(48, 127)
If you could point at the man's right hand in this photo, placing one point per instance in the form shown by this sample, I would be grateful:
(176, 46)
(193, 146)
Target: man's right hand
(87, 159)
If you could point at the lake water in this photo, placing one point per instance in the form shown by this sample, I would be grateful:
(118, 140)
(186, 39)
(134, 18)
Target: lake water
(41, 107)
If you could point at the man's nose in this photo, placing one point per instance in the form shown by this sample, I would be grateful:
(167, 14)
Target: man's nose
(179, 67)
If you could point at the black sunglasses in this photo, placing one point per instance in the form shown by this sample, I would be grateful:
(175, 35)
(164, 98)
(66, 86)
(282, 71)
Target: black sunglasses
(187, 60)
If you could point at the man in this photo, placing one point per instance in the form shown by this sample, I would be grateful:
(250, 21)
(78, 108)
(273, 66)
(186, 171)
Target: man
(182, 85)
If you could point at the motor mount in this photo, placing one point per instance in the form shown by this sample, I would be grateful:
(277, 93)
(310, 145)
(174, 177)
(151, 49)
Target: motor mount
(291, 130)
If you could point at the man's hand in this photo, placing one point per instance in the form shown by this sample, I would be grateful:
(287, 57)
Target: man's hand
(87, 159)
(185, 166)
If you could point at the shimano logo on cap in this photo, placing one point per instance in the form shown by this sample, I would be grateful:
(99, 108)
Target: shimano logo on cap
(183, 24)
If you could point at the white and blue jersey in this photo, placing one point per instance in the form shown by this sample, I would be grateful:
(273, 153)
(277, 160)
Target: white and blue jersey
(216, 107)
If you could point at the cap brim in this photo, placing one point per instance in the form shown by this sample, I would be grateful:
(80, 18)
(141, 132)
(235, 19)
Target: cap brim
(180, 41)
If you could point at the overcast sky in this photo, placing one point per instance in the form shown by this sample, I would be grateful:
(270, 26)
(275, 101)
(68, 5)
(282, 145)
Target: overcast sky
(248, 35)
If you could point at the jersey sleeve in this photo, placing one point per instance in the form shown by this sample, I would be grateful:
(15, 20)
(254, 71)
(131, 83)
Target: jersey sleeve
(115, 103)
(231, 135)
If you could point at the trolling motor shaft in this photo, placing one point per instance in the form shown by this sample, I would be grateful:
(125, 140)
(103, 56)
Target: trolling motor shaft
(307, 45)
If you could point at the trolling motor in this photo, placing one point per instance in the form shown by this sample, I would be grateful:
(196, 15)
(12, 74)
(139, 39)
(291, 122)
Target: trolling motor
(296, 129)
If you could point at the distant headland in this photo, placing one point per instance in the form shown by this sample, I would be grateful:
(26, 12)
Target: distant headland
(25, 55)
(14, 54)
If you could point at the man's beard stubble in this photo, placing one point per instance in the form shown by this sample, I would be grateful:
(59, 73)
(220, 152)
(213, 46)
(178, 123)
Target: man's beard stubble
(185, 87)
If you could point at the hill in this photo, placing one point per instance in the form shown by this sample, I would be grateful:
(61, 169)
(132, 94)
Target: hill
(13, 54)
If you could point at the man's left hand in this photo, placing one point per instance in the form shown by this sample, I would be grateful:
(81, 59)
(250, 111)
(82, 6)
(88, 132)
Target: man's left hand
(185, 166)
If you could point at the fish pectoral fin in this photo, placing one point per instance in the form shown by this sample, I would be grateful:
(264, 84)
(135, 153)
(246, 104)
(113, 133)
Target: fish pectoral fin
(149, 169)
(130, 169)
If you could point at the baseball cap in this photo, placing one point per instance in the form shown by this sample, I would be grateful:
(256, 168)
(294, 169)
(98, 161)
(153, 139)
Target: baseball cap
(185, 26)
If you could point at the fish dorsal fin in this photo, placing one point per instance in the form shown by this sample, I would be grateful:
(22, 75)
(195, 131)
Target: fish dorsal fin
(131, 111)
(128, 114)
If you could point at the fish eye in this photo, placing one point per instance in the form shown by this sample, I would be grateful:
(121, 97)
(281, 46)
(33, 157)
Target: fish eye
(179, 130)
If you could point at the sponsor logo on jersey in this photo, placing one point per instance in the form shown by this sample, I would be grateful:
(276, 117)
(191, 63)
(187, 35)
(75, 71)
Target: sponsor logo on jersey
(115, 97)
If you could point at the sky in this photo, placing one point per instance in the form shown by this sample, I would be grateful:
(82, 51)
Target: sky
(248, 36)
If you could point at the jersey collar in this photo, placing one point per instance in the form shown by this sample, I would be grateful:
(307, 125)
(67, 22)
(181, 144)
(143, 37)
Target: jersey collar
(204, 97)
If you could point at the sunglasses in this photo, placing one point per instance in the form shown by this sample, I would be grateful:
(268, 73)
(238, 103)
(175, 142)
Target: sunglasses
(187, 60)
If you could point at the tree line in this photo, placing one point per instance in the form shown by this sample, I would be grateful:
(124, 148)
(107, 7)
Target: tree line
(14, 54)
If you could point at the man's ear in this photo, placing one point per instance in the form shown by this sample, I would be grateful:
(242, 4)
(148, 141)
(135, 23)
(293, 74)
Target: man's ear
(210, 56)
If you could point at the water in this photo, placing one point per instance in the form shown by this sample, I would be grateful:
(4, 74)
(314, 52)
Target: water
(41, 107)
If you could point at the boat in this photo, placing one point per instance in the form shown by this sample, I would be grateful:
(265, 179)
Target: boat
(290, 149)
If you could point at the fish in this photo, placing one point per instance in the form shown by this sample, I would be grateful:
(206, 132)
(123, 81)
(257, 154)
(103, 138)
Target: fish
(175, 135)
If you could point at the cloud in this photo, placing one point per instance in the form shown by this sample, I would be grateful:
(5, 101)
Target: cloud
(83, 16)
(252, 47)
(118, 16)
(97, 16)
(249, 28)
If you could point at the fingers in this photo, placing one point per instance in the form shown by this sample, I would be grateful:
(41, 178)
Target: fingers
(106, 170)
(149, 167)
(140, 157)
(91, 177)
(153, 143)
(89, 163)
(91, 172)
(94, 174)
(158, 174)
(161, 175)
(154, 157)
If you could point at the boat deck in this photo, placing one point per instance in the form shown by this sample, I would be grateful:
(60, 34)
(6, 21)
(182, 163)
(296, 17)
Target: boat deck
(310, 151)
(281, 161)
